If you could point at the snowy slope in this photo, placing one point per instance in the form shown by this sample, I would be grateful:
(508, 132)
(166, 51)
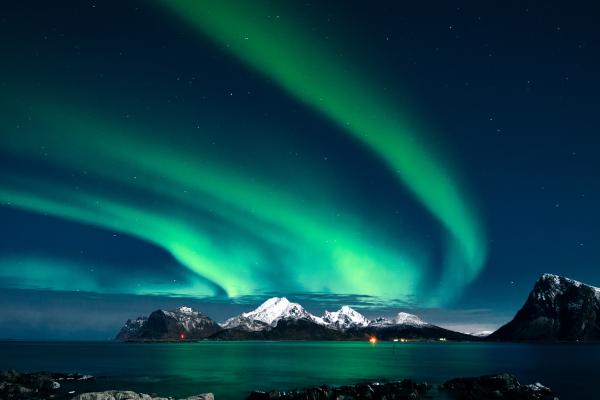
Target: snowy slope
(402, 318)
(131, 328)
(344, 318)
(268, 314)
(480, 333)
(188, 318)
(557, 285)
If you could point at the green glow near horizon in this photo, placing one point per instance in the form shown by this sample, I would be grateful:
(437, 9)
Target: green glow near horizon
(321, 257)
(284, 52)
(49, 273)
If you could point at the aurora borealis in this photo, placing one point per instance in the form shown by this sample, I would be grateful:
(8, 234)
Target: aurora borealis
(284, 53)
(232, 150)
(323, 257)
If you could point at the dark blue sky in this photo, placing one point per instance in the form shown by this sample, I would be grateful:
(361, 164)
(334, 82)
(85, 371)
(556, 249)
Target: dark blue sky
(508, 93)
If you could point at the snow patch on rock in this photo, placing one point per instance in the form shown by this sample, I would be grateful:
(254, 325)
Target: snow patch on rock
(557, 285)
(402, 318)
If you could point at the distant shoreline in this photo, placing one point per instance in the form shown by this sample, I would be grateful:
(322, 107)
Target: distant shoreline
(190, 341)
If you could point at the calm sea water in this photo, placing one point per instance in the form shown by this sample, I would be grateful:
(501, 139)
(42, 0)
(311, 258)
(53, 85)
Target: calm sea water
(232, 369)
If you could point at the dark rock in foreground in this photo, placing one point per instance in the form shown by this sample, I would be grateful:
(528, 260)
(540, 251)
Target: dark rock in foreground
(406, 389)
(46, 385)
(129, 395)
(38, 385)
(502, 386)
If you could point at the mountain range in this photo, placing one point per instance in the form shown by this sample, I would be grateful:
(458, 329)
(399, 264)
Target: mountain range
(557, 309)
(279, 319)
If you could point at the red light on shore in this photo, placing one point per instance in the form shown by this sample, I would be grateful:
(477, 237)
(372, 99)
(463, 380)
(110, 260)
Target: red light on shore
(372, 340)
(181, 336)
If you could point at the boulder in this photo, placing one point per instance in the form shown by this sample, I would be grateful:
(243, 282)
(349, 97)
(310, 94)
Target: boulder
(129, 395)
(500, 386)
(403, 390)
(112, 395)
(38, 385)
(488, 387)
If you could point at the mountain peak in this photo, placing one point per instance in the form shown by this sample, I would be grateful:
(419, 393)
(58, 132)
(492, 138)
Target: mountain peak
(277, 308)
(557, 279)
(182, 312)
(547, 275)
(344, 318)
(550, 286)
(557, 308)
(268, 314)
(274, 304)
(404, 318)
(183, 323)
(185, 310)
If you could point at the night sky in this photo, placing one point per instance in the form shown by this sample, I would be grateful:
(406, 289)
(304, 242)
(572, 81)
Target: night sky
(430, 157)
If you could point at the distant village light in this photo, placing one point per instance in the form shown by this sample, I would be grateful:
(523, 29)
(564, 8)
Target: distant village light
(372, 340)
(182, 336)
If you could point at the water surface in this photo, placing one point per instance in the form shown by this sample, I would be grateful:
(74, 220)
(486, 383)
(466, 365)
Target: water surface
(232, 369)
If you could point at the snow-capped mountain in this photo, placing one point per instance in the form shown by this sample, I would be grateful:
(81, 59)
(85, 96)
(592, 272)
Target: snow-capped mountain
(552, 286)
(131, 327)
(408, 319)
(275, 309)
(183, 323)
(408, 327)
(402, 318)
(480, 334)
(279, 319)
(190, 319)
(268, 314)
(344, 318)
(557, 308)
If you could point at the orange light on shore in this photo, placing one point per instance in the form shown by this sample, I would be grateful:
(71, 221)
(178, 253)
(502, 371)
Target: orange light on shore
(181, 336)
(372, 340)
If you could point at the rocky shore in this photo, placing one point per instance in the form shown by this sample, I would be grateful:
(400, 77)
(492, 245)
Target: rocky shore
(60, 386)
(40, 385)
(489, 387)
(57, 386)
(129, 395)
